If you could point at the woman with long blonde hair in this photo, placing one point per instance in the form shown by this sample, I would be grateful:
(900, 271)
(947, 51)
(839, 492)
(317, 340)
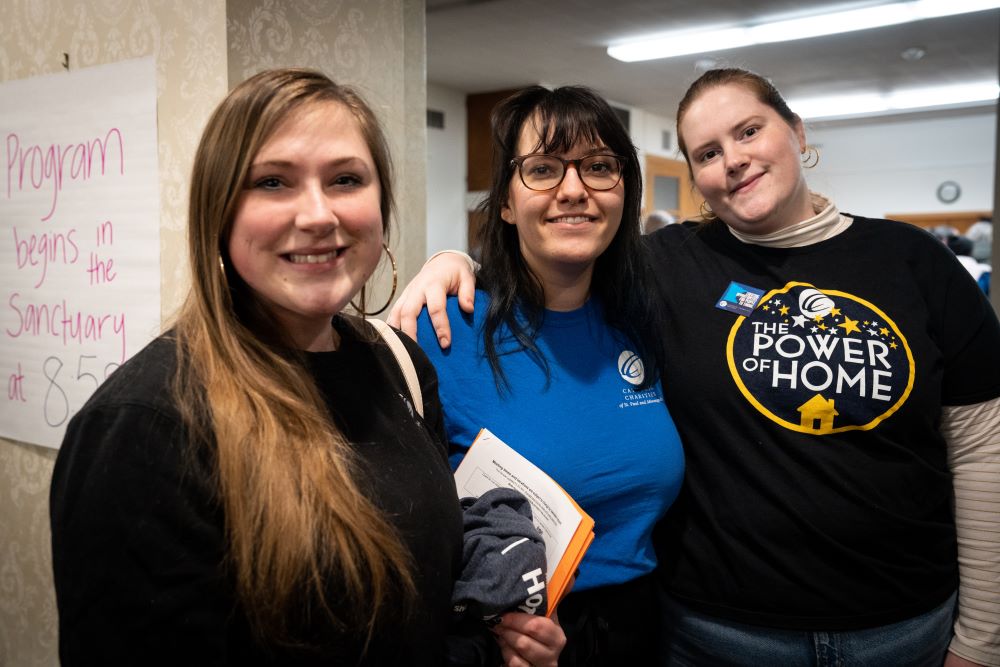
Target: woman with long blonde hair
(257, 486)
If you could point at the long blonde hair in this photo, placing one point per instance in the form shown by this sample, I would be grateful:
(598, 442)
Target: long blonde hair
(296, 521)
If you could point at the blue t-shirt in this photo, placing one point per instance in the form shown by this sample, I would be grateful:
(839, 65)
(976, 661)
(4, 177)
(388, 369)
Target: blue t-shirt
(612, 447)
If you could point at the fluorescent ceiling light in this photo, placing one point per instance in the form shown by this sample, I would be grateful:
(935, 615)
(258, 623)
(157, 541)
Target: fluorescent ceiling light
(900, 100)
(687, 42)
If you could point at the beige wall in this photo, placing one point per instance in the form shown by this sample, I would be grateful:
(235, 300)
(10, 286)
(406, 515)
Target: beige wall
(200, 49)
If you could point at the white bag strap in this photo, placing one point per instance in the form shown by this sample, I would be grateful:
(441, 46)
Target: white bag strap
(403, 359)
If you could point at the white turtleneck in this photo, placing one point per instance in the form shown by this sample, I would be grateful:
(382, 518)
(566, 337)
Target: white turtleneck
(827, 223)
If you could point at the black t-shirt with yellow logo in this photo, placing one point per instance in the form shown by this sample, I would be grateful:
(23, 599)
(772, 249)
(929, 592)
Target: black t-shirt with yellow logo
(807, 385)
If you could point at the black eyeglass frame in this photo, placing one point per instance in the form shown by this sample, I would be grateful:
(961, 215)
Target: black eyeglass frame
(519, 161)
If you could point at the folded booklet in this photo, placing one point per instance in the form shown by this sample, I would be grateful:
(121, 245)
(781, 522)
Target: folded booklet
(567, 530)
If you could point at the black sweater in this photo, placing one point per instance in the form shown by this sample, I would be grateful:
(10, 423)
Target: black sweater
(138, 537)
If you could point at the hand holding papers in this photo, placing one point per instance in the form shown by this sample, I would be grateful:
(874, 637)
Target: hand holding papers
(566, 528)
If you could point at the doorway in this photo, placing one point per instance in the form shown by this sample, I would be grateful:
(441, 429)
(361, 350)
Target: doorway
(668, 188)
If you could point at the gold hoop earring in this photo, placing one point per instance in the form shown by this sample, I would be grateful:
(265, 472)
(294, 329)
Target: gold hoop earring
(706, 212)
(810, 157)
(222, 270)
(395, 278)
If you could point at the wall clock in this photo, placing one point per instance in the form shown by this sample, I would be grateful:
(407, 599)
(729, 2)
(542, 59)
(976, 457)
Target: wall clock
(948, 192)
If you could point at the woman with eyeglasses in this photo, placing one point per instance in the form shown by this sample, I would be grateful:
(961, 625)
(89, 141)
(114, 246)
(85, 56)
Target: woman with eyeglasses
(836, 381)
(560, 357)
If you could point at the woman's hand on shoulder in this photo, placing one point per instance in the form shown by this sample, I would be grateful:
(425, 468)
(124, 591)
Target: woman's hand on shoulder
(446, 273)
(529, 641)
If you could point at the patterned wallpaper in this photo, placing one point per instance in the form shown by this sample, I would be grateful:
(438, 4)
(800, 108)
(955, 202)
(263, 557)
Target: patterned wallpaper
(200, 48)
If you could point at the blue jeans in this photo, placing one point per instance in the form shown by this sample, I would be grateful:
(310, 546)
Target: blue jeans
(692, 639)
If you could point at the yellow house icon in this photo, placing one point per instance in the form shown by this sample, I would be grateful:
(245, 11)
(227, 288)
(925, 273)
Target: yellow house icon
(818, 409)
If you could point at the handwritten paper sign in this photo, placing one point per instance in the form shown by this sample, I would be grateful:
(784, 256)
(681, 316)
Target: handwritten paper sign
(79, 239)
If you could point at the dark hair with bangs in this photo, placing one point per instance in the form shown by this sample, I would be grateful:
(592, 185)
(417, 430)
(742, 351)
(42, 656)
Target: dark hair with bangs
(565, 117)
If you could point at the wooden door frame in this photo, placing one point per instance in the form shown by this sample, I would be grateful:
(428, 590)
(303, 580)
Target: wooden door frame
(688, 200)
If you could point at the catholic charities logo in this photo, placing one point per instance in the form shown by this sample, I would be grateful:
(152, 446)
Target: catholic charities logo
(630, 367)
(820, 361)
(631, 370)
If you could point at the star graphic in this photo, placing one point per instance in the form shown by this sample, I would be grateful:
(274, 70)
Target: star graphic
(799, 320)
(783, 310)
(893, 345)
(872, 332)
(850, 325)
(823, 327)
(818, 318)
(874, 323)
(813, 330)
(765, 307)
(884, 331)
(777, 302)
(835, 311)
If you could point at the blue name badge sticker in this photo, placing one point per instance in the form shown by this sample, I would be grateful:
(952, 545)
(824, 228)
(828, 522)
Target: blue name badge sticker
(739, 299)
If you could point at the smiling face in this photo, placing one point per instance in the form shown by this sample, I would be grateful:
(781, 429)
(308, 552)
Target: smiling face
(562, 231)
(307, 232)
(745, 159)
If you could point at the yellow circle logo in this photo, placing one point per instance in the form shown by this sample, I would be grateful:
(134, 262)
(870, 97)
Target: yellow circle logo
(820, 361)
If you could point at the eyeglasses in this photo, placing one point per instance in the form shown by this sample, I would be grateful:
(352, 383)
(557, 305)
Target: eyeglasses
(543, 172)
